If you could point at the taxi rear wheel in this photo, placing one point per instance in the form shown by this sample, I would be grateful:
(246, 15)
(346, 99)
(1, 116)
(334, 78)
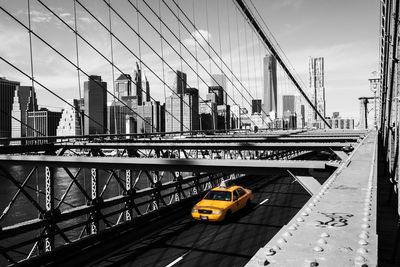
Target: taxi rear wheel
(228, 215)
(248, 203)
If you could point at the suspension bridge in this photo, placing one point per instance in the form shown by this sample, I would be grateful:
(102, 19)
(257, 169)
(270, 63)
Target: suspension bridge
(161, 102)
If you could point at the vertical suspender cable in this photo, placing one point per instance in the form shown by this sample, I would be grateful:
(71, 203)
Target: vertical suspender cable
(247, 53)
(77, 64)
(162, 52)
(220, 49)
(180, 77)
(31, 59)
(33, 99)
(195, 47)
(240, 58)
(254, 61)
(222, 73)
(140, 51)
(197, 69)
(208, 38)
(113, 108)
(230, 58)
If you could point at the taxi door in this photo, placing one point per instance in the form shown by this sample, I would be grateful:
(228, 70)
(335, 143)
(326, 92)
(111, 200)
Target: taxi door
(236, 201)
(242, 197)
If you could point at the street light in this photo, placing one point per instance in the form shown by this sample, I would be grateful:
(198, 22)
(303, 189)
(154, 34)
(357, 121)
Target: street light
(373, 85)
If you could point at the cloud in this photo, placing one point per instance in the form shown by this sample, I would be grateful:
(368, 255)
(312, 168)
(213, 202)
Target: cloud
(202, 36)
(40, 17)
(85, 19)
(64, 15)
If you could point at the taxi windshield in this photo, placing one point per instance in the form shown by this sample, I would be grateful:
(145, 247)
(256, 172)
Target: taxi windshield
(218, 195)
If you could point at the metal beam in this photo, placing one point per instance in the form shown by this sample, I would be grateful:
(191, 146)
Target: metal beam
(219, 146)
(160, 164)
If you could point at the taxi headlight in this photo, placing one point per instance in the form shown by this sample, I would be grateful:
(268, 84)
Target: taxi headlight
(195, 210)
(218, 212)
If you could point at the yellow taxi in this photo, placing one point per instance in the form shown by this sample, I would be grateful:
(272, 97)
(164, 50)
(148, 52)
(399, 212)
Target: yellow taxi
(221, 202)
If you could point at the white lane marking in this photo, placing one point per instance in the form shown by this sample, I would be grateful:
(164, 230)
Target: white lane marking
(262, 202)
(177, 260)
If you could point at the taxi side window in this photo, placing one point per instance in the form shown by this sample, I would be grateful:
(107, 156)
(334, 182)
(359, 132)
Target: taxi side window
(235, 195)
(241, 192)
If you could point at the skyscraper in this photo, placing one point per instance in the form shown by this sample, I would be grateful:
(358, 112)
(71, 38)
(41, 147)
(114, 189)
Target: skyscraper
(45, 122)
(270, 85)
(147, 90)
(220, 80)
(182, 118)
(24, 101)
(208, 115)
(70, 121)
(139, 85)
(123, 86)
(176, 80)
(149, 117)
(288, 103)
(116, 117)
(7, 90)
(95, 93)
(317, 87)
(256, 106)
(219, 93)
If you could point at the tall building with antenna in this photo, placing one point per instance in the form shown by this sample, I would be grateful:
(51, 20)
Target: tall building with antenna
(138, 84)
(270, 98)
(317, 88)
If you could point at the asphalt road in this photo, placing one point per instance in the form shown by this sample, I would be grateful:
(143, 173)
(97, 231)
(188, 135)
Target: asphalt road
(184, 242)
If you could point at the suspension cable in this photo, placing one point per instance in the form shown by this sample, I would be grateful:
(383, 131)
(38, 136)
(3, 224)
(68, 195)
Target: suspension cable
(97, 51)
(31, 59)
(60, 54)
(113, 107)
(211, 48)
(77, 63)
(183, 46)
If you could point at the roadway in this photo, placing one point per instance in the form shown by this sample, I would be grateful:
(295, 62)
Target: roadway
(183, 242)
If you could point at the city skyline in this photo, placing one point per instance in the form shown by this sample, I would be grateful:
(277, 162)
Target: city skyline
(68, 86)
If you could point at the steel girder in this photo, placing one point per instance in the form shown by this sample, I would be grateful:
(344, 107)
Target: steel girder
(163, 164)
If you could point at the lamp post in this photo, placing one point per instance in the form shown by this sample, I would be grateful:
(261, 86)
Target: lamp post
(373, 85)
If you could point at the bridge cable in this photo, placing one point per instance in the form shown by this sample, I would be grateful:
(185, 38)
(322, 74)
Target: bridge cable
(240, 58)
(247, 54)
(113, 108)
(180, 78)
(77, 63)
(183, 44)
(37, 82)
(246, 12)
(208, 35)
(230, 55)
(169, 43)
(33, 98)
(31, 61)
(162, 51)
(277, 43)
(198, 76)
(97, 51)
(132, 51)
(212, 126)
(214, 51)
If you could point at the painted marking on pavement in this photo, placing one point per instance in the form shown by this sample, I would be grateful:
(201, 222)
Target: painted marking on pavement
(177, 260)
(262, 202)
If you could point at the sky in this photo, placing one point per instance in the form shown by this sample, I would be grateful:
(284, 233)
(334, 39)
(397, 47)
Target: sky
(344, 32)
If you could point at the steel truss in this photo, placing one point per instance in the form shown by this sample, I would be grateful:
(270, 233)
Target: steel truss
(52, 228)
